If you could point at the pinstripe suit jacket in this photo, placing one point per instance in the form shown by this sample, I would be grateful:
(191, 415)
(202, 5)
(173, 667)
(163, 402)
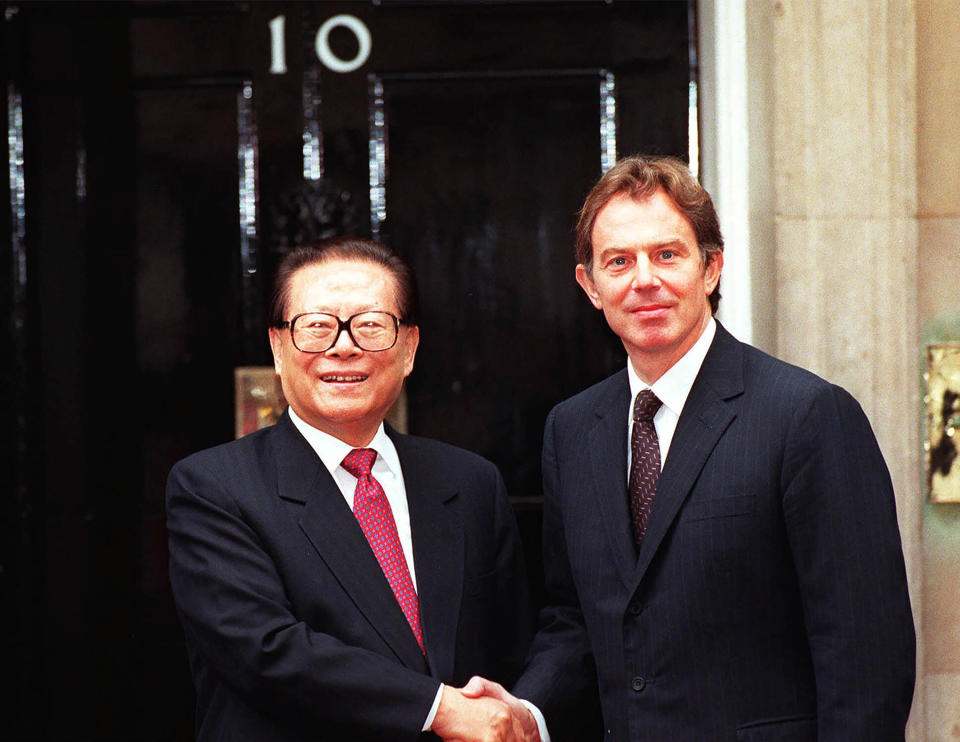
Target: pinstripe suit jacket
(769, 599)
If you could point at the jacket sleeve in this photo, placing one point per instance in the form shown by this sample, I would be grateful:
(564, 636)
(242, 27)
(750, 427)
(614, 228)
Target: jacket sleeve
(841, 522)
(560, 677)
(239, 621)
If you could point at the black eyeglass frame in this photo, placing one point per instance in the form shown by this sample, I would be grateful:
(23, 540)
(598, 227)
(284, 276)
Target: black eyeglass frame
(343, 324)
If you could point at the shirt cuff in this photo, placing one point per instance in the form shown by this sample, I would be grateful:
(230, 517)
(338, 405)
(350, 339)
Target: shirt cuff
(433, 711)
(541, 722)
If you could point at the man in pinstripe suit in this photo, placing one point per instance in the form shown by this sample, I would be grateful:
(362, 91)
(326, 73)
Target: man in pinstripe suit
(763, 596)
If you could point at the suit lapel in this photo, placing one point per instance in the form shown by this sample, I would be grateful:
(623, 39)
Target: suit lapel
(438, 551)
(608, 453)
(330, 526)
(706, 414)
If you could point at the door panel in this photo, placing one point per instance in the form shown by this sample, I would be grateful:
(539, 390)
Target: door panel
(483, 173)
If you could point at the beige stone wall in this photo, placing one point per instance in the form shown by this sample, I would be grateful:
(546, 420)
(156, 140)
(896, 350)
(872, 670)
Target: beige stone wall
(858, 266)
(938, 314)
(862, 164)
(853, 187)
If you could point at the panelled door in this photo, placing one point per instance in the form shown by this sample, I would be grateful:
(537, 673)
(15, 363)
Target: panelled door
(163, 155)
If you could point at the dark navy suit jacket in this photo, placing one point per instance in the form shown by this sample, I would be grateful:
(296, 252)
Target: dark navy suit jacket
(769, 598)
(292, 630)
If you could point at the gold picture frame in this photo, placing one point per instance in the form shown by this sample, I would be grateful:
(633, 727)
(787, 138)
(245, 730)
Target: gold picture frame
(942, 402)
(258, 398)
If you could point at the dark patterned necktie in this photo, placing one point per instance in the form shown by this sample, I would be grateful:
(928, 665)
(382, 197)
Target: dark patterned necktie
(373, 512)
(644, 463)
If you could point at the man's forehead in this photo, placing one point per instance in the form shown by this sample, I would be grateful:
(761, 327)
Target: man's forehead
(624, 211)
(337, 282)
(640, 199)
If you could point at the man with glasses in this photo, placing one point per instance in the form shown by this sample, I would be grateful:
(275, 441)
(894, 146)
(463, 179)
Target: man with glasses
(336, 579)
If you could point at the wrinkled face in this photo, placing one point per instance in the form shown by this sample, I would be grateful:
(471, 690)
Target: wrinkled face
(344, 391)
(648, 278)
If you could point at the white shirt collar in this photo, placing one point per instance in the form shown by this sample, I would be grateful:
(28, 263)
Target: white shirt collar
(674, 386)
(332, 450)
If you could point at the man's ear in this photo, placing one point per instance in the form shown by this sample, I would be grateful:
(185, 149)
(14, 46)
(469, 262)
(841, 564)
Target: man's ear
(411, 343)
(711, 273)
(586, 283)
(276, 345)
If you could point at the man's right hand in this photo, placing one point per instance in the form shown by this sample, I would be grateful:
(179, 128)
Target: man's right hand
(479, 687)
(463, 719)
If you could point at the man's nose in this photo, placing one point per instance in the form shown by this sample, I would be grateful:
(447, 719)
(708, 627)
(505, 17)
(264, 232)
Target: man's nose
(344, 345)
(644, 275)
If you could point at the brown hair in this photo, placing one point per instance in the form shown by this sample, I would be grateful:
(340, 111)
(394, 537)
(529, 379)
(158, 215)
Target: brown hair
(345, 248)
(640, 177)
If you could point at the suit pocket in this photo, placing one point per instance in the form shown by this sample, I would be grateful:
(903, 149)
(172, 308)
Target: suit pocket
(792, 729)
(723, 507)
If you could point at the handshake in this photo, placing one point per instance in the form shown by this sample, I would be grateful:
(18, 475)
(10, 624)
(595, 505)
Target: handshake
(483, 711)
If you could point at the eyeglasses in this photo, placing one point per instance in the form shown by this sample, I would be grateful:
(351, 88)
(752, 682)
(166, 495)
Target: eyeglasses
(318, 332)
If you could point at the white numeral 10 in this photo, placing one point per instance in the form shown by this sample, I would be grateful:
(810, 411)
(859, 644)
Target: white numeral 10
(278, 50)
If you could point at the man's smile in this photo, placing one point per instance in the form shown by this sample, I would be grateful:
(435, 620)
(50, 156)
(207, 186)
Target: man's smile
(343, 378)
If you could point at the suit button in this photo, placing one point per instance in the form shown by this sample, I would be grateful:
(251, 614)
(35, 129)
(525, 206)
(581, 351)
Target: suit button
(635, 608)
(638, 684)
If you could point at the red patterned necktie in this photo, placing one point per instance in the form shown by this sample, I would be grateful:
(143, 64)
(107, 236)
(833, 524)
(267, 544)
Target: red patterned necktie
(373, 512)
(644, 462)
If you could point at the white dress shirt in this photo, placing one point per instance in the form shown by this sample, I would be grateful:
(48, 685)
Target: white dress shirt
(386, 470)
(672, 389)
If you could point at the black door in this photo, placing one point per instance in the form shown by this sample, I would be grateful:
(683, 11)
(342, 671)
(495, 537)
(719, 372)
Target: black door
(162, 155)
